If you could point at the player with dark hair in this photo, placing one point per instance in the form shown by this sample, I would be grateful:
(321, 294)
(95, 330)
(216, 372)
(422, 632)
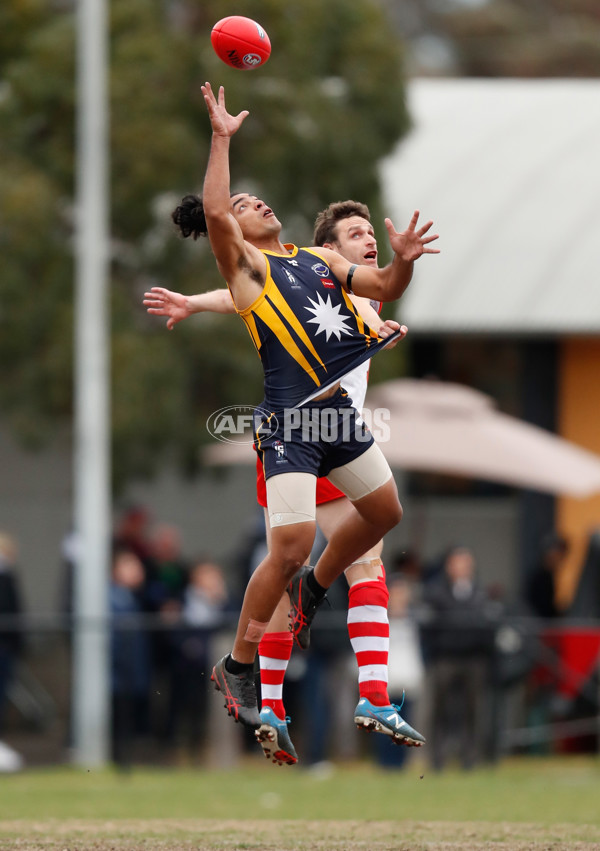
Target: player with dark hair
(262, 273)
(346, 227)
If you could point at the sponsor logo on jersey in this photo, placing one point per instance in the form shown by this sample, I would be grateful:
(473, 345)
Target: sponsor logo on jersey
(321, 270)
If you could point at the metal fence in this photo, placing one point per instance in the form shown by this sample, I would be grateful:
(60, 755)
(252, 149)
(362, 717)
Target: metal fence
(541, 691)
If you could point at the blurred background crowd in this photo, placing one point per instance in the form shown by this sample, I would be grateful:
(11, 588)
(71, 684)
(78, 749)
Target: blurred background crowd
(482, 675)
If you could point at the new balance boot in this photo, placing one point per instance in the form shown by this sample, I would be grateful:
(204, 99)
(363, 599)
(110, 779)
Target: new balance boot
(274, 738)
(387, 720)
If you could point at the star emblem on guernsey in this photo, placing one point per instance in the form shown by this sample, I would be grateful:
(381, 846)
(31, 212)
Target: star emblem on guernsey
(327, 317)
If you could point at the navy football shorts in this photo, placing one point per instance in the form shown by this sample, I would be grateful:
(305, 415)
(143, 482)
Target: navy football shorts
(314, 439)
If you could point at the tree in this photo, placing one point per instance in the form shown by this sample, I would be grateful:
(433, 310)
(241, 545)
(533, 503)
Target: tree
(526, 38)
(326, 107)
(500, 38)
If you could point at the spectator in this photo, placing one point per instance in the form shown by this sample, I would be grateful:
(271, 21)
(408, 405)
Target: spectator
(169, 569)
(131, 533)
(11, 638)
(204, 610)
(406, 670)
(166, 579)
(545, 703)
(407, 563)
(130, 655)
(459, 643)
(206, 596)
(541, 587)
(328, 684)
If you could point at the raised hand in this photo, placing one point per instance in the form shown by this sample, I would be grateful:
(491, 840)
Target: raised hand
(162, 302)
(411, 243)
(223, 124)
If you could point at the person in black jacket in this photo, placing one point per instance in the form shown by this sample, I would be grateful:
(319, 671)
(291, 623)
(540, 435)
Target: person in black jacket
(10, 609)
(458, 643)
(540, 591)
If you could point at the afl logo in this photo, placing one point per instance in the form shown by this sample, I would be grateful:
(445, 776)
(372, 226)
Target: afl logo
(251, 59)
(321, 270)
(241, 424)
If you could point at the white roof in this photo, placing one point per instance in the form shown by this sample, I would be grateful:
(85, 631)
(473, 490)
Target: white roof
(509, 170)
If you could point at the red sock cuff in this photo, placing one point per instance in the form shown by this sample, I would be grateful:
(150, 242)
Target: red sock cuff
(276, 645)
(373, 593)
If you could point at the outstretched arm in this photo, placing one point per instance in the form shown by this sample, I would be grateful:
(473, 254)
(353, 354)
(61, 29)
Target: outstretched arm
(389, 283)
(231, 251)
(223, 230)
(162, 302)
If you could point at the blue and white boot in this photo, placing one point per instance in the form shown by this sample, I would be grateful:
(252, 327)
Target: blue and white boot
(274, 739)
(387, 720)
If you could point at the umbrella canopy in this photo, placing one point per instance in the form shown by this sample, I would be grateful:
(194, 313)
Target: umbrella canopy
(449, 428)
(441, 427)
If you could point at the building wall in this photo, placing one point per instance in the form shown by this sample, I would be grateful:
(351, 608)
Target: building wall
(35, 509)
(489, 526)
(579, 386)
(215, 513)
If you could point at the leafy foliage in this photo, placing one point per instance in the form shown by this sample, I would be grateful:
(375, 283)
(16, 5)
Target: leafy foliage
(503, 38)
(325, 108)
(522, 38)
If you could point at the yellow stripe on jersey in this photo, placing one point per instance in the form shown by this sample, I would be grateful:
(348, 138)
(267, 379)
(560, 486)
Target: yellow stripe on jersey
(284, 308)
(269, 316)
(363, 328)
(251, 326)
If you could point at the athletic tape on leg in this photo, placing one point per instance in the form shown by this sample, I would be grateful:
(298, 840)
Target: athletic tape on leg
(255, 631)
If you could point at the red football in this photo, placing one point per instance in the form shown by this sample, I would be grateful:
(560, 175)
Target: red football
(240, 42)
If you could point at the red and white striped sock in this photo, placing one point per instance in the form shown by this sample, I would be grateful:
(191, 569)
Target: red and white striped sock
(274, 651)
(369, 631)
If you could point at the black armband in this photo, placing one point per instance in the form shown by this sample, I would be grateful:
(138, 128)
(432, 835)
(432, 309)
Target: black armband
(351, 272)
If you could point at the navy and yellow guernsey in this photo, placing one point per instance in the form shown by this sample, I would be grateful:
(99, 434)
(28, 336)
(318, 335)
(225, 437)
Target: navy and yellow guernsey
(305, 328)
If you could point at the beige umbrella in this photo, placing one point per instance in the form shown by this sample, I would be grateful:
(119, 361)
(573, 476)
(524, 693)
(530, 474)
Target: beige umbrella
(440, 427)
(448, 428)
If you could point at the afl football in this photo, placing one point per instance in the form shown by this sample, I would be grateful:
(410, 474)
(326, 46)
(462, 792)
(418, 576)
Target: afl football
(240, 42)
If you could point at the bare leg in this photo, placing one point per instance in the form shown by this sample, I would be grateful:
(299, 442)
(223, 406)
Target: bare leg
(329, 516)
(290, 547)
(280, 622)
(378, 512)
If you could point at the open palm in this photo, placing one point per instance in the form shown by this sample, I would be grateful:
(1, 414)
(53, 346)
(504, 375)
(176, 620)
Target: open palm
(411, 243)
(223, 124)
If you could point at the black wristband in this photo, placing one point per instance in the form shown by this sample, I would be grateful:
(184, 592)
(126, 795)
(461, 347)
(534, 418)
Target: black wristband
(351, 272)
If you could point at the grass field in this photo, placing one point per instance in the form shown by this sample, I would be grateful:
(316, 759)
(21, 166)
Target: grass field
(520, 804)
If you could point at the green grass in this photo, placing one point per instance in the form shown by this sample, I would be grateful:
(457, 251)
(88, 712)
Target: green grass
(544, 791)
